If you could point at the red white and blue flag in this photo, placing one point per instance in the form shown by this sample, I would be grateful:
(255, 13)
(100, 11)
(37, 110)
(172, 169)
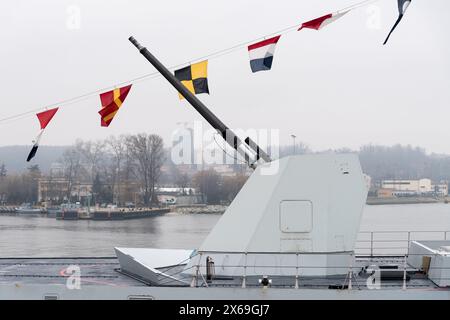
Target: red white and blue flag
(323, 21)
(261, 54)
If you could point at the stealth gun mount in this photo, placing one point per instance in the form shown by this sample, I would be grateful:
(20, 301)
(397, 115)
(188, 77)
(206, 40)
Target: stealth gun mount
(248, 149)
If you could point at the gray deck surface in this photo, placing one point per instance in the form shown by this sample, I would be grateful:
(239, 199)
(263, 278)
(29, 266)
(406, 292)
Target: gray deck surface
(103, 271)
(93, 271)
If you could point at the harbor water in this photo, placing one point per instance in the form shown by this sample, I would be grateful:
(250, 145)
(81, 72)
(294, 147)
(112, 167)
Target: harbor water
(47, 237)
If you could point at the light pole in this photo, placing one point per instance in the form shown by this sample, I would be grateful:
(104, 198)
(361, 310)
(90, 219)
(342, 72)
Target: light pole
(293, 143)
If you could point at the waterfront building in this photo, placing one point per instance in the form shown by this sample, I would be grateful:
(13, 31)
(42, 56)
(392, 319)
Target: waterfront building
(415, 187)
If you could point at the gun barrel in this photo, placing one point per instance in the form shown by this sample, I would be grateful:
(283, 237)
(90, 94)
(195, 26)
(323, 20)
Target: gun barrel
(227, 134)
(260, 153)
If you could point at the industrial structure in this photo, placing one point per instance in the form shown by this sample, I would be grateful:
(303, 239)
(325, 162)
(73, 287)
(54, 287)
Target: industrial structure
(415, 187)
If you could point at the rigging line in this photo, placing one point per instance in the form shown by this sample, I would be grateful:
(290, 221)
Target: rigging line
(279, 32)
(224, 151)
(19, 117)
(358, 5)
(76, 99)
(244, 44)
(167, 278)
(180, 263)
(211, 56)
(148, 76)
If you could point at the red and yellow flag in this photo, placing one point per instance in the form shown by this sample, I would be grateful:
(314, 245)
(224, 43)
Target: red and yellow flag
(111, 103)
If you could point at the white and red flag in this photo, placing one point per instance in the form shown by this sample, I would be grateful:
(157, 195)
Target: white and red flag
(44, 119)
(323, 21)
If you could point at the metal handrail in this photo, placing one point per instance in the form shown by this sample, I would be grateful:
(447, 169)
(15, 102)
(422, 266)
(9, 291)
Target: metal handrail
(346, 280)
(406, 231)
(405, 237)
(376, 238)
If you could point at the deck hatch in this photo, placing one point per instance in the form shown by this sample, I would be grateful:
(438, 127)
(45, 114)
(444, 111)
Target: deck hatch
(296, 216)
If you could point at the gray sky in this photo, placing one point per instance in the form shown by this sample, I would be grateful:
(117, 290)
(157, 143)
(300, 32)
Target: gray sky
(333, 88)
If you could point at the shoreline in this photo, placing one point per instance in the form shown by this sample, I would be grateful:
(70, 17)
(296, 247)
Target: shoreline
(199, 209)
(403, 200)
(211, 209)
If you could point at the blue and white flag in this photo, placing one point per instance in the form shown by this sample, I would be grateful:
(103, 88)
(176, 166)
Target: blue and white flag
(261, 54)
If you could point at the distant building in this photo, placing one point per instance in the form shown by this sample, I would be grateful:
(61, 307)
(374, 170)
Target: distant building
(408, 187)
(441, 189)
(179, 199)
(385, 193)
(415, 187)
(57, 190)
(225, 170)
(368, 181)
(175, 190)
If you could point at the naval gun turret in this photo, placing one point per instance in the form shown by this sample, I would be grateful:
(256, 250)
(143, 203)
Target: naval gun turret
(300, 219)
(248, 149)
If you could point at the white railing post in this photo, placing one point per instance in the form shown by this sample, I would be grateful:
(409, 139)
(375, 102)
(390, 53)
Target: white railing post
(194, 278)
(244, 284)
(204, 280)
(350, 272)
(371, 244)
(404, 274)
(409, 240)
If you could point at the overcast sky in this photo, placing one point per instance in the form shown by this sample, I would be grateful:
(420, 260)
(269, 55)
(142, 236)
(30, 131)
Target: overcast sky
(333, 88)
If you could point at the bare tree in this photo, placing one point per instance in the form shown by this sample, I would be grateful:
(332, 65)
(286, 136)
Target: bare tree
(231, 186)
(118, 149)
(3, 171)
(93, 153)
(128, 174)
(182, 181)
(71, 160)
(208, 182)
(3, 174)
(148, 155)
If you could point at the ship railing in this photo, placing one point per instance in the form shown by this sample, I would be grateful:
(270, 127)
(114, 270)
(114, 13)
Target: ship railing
(395, 243)
(369, 244)
(353, 275)
(245, 270)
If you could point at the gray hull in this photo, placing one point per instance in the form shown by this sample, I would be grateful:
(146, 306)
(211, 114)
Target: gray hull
(24, 292)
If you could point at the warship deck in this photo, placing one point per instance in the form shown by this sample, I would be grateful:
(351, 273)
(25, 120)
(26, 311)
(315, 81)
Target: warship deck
(105, 271)
(100, 278)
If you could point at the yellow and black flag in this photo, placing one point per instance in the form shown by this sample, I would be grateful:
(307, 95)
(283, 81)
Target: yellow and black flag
(194, 77)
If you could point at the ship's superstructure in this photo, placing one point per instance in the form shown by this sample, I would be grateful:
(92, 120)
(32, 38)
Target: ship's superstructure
(309, 208)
